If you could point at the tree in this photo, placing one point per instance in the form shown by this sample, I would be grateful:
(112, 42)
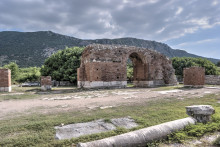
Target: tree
(14, 70)
(179, 63)
(129, 72)
(218, 64)
(62, 66)
(30, 74)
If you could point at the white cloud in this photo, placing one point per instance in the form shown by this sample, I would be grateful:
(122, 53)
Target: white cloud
(179, 10)
(215, 2)
(161, 30)
(148, 19)
(182, 45)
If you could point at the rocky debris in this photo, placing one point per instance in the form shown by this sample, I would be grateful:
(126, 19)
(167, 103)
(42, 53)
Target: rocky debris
(106, 107)
(202, 113)
(30, 84)
(58, 98)
(97, 126)
(170, 91)
(126, 122)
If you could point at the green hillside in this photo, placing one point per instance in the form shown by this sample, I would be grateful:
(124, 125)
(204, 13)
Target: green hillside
(32, 48)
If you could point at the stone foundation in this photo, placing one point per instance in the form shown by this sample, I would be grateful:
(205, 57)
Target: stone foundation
(5, 80)
(101, 84)
(46, 83)
(212, 79)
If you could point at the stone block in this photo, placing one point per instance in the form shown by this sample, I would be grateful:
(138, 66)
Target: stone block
(202, 113)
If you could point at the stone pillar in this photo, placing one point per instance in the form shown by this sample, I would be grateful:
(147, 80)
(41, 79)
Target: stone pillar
(202, 113)
(46, 83)
(5, 80)
(194, 76)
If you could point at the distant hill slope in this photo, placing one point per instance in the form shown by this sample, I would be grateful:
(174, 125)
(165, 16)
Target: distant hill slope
(32, 48)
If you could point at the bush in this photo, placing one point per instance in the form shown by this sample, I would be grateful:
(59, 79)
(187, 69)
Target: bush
(21, 75)
(30, 74)
(14, 70)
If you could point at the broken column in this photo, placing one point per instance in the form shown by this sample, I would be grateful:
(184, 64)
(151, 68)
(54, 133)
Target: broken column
(198, 113)
(5, 80)
(202, 113)
(46, 83)
(194, 76)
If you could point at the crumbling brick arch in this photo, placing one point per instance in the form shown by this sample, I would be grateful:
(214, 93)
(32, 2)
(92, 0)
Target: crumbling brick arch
(139, 66)
(106, 66)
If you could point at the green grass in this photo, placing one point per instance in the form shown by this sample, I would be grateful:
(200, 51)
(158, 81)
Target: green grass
(20, 93)
(197, 130)
(38, 129)
(217, 142)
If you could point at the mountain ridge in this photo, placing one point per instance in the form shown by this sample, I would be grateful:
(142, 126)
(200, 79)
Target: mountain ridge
(32, 48)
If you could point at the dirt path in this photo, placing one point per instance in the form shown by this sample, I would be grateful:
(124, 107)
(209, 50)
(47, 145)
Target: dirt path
(88, 100)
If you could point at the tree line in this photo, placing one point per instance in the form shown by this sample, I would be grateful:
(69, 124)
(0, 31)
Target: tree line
(62, 66)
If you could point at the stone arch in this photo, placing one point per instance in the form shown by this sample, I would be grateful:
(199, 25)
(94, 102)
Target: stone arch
(140, 72)
(105, 66)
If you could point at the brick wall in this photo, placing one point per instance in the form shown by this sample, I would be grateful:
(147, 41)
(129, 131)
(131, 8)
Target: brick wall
(46, 83)
(5, 80)
(212, 79)
(107, 64)
(194, 76)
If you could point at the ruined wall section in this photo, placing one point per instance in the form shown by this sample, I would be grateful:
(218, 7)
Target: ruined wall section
(194, 76)
(5, 80)
(46, 83)
(106, 65)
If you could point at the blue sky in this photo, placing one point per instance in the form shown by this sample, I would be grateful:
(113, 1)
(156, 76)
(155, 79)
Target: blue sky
(192, 25)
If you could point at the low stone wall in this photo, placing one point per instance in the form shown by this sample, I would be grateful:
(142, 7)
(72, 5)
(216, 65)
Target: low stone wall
(212, 79)
(62, 83)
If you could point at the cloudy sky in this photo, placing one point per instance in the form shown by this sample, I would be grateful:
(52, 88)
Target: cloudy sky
(192, 25)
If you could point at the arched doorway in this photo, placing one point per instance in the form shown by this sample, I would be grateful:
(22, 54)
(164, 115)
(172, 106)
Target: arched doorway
(136, 70)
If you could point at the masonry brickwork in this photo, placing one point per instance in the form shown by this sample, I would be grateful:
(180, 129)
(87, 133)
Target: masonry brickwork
(194, 76)
(106, 66)
(46, 83)
(212, 79)
(5, 80)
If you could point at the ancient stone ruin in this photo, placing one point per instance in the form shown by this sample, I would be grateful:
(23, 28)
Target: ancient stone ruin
(212, 79)
(46, 83)
(194, 76)
(202, 113)
(5, 80)
(106, 66)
